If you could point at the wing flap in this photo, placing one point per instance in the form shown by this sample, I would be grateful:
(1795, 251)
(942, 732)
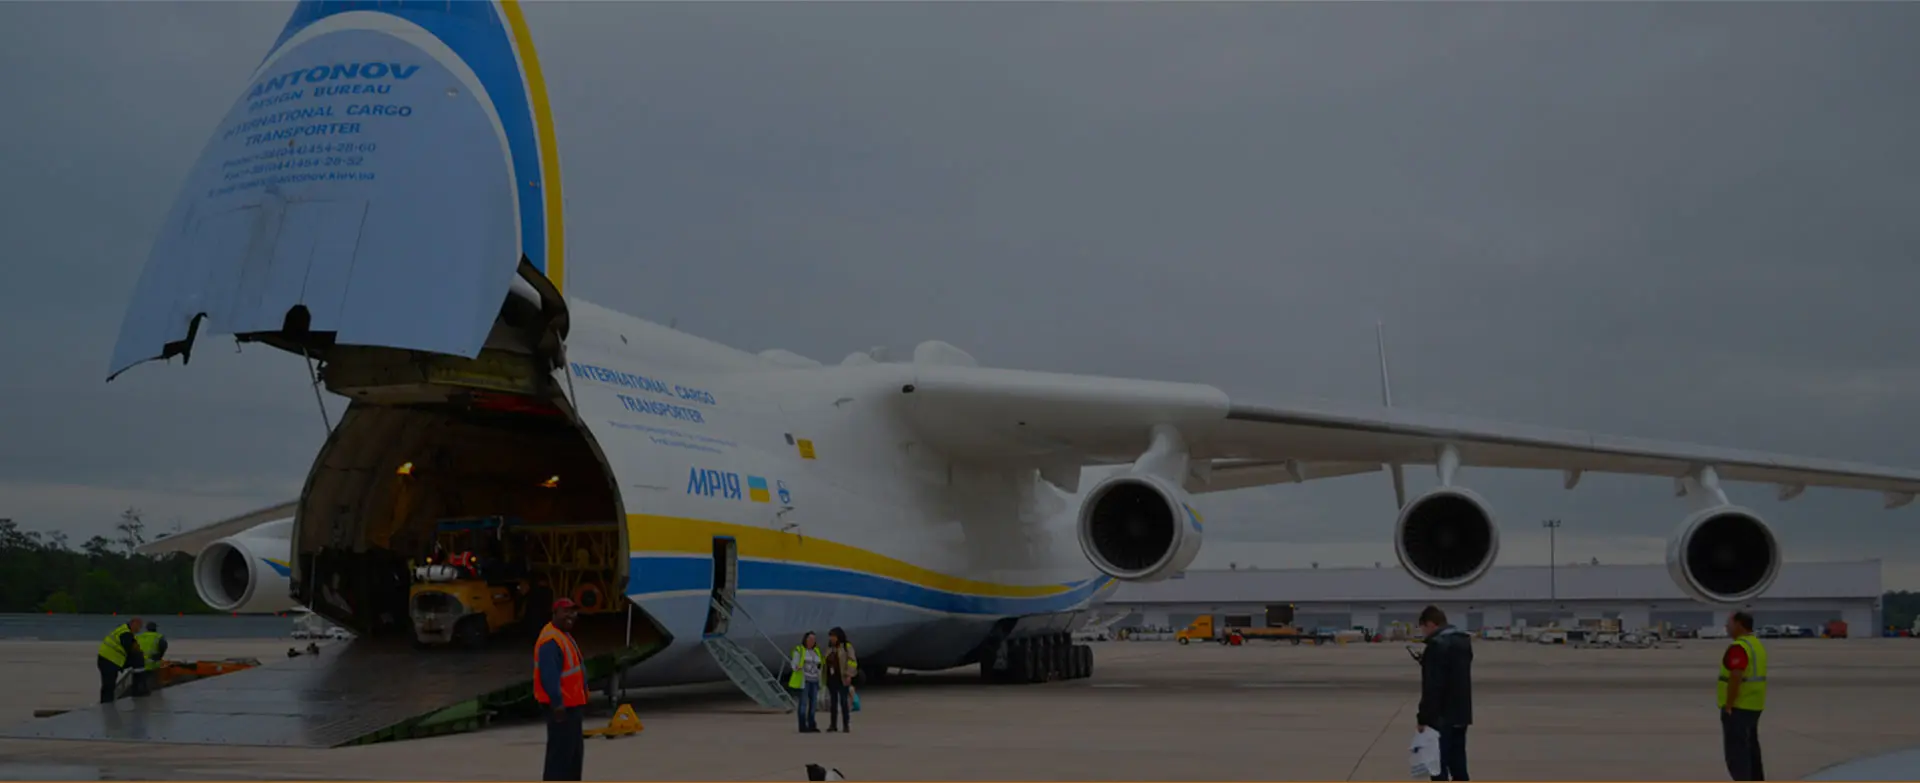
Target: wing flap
(1412, 437)
(1224, 475)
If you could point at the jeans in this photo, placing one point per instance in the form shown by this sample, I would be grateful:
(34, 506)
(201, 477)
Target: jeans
(1740, 736)
(109, 677)
(566, 745)
(1453, 753)
(804, 701)
(839, 705)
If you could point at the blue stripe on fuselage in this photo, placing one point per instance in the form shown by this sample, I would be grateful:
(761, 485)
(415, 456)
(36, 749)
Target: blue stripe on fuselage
(649, 574)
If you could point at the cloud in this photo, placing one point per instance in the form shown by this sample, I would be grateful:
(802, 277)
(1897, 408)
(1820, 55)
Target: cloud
(1684, 221)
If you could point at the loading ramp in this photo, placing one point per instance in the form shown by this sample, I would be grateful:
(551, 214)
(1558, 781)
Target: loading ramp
(361, 692)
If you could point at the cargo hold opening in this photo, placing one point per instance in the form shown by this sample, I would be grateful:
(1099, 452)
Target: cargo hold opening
(519, 484)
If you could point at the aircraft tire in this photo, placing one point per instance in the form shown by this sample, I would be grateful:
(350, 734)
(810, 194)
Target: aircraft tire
(1086, 661)
(1036, 662)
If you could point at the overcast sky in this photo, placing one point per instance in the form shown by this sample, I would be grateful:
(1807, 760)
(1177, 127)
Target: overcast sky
(1693, 221)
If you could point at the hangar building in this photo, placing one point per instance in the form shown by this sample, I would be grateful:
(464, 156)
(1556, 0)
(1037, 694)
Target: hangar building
(1640, 596)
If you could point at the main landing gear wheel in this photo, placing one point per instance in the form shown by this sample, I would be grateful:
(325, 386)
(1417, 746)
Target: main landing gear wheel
(1039, 659)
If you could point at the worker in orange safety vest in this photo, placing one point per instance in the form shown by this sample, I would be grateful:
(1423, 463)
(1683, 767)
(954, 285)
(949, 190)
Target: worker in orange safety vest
(560, 685)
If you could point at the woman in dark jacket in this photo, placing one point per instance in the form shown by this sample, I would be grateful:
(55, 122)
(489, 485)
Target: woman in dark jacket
(837, 670)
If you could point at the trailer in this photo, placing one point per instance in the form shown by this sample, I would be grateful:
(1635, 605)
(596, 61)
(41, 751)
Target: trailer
(1203, 629)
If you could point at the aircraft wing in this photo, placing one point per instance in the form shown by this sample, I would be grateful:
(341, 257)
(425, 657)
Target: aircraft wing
(198, 538)
(1059, 422)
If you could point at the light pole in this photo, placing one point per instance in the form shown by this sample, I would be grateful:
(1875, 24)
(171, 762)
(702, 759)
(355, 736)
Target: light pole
(1553, 586)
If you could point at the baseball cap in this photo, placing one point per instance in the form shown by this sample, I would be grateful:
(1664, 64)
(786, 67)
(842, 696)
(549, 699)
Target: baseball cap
(563, 603)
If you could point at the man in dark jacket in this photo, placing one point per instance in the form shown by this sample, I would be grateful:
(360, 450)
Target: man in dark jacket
(1446, 690)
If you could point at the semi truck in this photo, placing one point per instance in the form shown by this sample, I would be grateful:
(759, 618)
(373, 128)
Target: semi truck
(1203, 629)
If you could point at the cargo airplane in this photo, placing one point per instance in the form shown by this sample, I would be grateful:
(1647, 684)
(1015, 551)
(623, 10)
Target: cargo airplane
(384, 199)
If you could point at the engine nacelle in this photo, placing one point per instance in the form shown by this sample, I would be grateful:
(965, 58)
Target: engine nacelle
(1138, 528)
(1446, 538)
(247, 573)
(1723, 555)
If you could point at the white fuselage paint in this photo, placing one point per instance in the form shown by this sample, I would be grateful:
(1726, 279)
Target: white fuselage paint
(913, 556)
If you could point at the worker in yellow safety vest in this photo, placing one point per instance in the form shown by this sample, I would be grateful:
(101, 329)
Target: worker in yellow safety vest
(1742, 697)
(805, 681)
(560, 684)
(120, 650)
(153, 648)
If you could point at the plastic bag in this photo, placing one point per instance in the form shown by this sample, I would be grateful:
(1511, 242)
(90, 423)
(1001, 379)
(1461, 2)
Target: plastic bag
(856, 700)
(1424, 754)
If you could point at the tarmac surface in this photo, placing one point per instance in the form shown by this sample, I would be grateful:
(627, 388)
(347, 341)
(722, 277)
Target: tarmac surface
(1152, 711)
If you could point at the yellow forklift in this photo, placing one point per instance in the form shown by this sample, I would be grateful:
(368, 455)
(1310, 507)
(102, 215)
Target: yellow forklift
(489, 575)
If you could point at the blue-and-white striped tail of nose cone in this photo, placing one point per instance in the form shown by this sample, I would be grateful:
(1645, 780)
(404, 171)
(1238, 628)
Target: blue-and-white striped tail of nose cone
(379, 177)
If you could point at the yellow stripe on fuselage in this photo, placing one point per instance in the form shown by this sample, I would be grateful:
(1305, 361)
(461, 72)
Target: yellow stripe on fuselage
(647, 533)
(549, 146)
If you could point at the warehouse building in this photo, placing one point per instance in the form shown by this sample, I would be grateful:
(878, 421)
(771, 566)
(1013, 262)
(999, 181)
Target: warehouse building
(1639, 596)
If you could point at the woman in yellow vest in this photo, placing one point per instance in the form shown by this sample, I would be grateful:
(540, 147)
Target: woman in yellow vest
(805, 682)
(120, 650)
(1742, 697)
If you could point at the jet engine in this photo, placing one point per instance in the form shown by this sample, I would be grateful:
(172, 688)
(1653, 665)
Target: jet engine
(1723, 555)
(1138, 528)
(247, 573)
(1446, 538)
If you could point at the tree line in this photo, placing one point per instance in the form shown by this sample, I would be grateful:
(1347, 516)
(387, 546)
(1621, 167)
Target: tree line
(42, 572)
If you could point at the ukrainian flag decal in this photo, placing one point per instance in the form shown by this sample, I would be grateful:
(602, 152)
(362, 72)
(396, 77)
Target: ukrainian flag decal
(757, 489)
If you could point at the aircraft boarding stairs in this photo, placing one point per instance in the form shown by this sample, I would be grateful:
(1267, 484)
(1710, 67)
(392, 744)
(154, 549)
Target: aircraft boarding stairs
(745, 670)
